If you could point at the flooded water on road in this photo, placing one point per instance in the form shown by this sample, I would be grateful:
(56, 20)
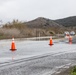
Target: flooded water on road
(26, 48)
(45, 59)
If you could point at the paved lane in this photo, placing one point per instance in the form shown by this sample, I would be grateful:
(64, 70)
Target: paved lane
(36, 57)
(44, 65)
(27, 49)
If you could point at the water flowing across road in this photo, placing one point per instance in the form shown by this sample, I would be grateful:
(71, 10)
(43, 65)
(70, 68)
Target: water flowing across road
(35, 57)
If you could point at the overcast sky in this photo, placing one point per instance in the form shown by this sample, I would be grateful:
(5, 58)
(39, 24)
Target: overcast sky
(26, 10)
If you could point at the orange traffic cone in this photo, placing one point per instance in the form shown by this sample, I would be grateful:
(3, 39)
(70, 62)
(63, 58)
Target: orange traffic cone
(13, 47)
(70, 40)
(51, 41)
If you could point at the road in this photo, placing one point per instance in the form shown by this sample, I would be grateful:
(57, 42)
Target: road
(36, 57)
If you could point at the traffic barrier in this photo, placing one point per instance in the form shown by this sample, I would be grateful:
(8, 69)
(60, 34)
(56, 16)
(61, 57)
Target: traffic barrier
(13, 47)
(51, 41)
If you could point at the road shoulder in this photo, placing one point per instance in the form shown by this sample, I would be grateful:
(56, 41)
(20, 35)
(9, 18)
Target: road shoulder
(66, 71)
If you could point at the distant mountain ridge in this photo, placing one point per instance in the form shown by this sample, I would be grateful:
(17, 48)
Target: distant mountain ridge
(42, 22)
(67, 22)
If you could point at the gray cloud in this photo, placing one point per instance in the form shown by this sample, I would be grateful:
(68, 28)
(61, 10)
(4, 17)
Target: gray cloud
(3, 1)
(30, 9)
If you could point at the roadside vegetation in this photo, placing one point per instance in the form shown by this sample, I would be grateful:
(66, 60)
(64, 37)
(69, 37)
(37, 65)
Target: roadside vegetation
(34, 28)
(73, 71)
(21, 30)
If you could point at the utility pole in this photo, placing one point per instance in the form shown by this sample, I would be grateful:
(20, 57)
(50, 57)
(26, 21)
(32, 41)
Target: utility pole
(36, 33)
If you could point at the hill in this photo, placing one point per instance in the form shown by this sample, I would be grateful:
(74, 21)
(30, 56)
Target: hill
(41, 22)
(38, 27)
(67, 22)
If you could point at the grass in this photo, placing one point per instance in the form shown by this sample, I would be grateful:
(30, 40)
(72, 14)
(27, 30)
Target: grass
(73, 71)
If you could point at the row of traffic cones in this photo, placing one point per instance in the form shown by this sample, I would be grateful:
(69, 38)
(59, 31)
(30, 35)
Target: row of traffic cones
(70, 40)
(13, 47)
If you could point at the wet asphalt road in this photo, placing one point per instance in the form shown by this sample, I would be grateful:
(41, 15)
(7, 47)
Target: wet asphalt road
(44, 65)
(59, 56)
